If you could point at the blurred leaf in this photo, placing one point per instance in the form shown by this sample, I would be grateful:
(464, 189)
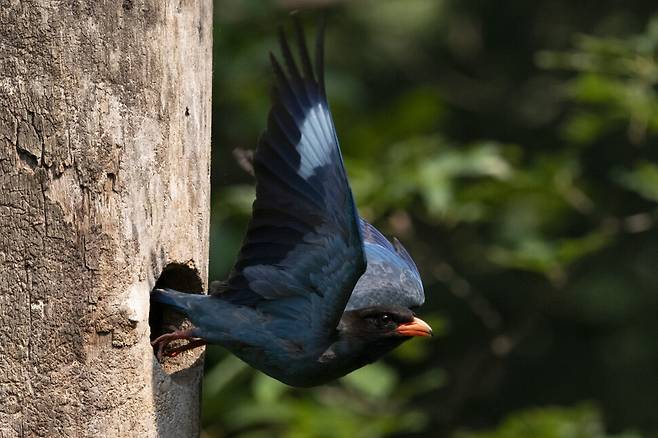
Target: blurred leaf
(642, 179)
(266, 389)
(551, 422)
(237, 200)
(375, 380)
(221, 374)
(424, 383)
(617, 75)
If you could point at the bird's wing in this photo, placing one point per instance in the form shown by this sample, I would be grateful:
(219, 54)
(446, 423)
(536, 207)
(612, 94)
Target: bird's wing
(392, 277)
(303, 252)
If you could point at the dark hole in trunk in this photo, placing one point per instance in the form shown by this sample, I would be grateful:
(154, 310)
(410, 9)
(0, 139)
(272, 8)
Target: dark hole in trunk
(163, 319)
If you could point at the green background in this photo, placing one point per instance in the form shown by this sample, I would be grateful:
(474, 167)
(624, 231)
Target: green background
(511, 145)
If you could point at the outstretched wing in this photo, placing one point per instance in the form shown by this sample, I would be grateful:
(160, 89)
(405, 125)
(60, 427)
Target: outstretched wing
(303, 252)
(392, 277)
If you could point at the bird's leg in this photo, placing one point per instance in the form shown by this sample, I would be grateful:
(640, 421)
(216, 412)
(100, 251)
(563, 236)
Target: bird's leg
(190, 345)
(164, 340)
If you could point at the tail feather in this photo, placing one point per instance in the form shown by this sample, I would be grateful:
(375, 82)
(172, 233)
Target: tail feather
(173, 298)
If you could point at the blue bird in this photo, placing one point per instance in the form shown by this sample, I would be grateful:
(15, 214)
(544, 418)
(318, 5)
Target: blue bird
(316, 291)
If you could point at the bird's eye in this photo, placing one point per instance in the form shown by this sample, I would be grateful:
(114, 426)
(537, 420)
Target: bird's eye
(381, 320)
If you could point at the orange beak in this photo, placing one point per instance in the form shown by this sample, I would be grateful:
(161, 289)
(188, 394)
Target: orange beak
(417, 327)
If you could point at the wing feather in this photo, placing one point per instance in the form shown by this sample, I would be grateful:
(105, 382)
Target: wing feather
(303, 252)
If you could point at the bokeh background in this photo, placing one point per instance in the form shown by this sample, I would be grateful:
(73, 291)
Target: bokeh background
(511, 146)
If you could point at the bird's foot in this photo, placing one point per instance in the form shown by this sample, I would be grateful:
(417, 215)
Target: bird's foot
(164, 340)
(189, 346)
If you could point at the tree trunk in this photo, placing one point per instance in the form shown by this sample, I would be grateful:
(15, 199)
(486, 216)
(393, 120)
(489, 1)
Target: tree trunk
(104, 184)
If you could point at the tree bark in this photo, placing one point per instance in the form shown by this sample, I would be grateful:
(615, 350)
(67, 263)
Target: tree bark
(104, 183)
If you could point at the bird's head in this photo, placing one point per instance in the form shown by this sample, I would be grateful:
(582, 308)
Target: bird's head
(382, 325)
(384, 322)
(364, 335)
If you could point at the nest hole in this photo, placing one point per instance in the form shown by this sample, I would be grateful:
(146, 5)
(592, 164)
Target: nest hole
(163, 319)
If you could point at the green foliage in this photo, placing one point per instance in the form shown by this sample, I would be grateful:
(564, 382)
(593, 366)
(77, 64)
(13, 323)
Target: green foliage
(426, 168)
(368, 403)
(642, 179)
(512, 147)
(617, 80)
(553, 422)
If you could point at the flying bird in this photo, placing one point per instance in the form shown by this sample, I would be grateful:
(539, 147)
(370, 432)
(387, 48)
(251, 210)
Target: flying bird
(316, 291)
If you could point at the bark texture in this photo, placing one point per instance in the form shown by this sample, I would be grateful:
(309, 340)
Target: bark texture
(104, 181)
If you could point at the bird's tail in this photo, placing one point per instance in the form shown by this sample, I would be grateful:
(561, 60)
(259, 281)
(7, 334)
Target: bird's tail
(172, 298)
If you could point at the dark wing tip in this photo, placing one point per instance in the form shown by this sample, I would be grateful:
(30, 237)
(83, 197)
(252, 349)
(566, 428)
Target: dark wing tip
(288, 58)
(319, 54)
(310, 72)
(303, 49)
(278, 71)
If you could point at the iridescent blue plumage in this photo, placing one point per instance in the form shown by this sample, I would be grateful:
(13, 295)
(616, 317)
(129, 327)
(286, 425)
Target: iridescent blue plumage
(391, 277)
(300, 304)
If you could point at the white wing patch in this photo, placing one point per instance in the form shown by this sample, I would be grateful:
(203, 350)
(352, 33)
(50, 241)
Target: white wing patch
(317, 142)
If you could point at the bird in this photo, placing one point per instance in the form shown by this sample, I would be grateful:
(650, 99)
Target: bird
(316, 291)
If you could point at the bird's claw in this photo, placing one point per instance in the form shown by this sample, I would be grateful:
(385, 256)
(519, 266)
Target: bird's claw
(190, 345)
(162, 341)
